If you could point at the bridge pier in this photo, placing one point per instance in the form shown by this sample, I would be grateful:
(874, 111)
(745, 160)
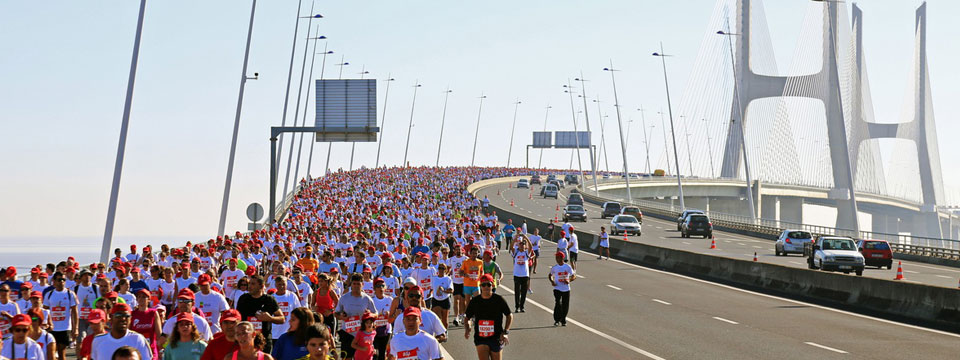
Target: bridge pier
(768, 207)
(696, 202)
(791, 210)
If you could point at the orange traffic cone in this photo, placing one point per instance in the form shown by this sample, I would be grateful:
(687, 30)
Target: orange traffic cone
(713, 243)
(511, 202)
(558, 207)
(754, 256)
(625, 236)
(899, 271)
(498, 192)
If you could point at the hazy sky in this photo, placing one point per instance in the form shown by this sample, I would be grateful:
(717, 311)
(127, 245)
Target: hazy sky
(65, 63)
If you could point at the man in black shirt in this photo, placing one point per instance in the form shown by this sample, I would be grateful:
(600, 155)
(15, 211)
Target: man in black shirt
(260, 309)
(487, 313)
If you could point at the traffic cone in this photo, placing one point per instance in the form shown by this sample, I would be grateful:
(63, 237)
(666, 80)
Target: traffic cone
(531, 196)
(498, 192)
(624, 236)
(558, 207)
(511, 202)
(713, 243)
(899, 271)
(754, 256)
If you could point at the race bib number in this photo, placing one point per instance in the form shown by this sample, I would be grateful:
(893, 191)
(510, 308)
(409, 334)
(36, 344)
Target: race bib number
(425, 284)
(408, 354)
(474, 274)
(521, 260)
(381, 321)
(284, 306)
(485, 328)
(85, 312)
(352, 325)
(5, 326)
(58, 313)
(562, 277)
(257, 324)
(231, 281)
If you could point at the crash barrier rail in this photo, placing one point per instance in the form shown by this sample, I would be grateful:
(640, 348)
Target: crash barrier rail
(927, 305)
(770, 229)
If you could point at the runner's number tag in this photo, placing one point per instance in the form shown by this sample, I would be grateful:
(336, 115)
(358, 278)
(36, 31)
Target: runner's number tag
(408, 354)
(352, 325)
(485, 328)
(58, 313)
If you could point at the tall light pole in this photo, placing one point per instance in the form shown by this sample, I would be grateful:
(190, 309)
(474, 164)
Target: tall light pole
(323, 67)
(603, 141)
(383, 118)
(293, 51)
(476, 135)
(443, 120)
(743, 134)
(709, 146)
(516, 106)
(410, 127)
(236, 125)
(296, 113)
(586, 119)
(687, 132)
(306, 103)
(623, 142)
(646, 143)
(353, 145)
(666, 149)
(546, 116)
(121, 147)
(330, 144)
(576, 133)
(673, 133)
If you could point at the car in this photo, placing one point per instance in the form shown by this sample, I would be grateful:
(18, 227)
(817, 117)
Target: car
(634, 211)
(606, 176)
(791, 242)
(550, 190)
(610, 208)
(523, 184)
(697, 224)
(571, 179)
(575, 199)
(535, 179)
(557, 183)
(574, 211)
(624, 224)
(876, 253)
(834, 253)
(551, 178)
(683, 216)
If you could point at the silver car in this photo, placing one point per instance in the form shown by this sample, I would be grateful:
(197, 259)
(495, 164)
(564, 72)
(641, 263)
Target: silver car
(791, 242)
(523, 184)
(624, 224)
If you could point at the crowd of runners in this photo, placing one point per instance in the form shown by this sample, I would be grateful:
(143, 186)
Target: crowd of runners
(367, 264)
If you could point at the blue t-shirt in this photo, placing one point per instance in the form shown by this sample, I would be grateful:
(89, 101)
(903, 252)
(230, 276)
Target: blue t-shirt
(419, 249)
(285, 349)
(137, 285)
(509, 229)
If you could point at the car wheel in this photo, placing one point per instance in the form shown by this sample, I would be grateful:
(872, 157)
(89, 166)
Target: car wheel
(705, 236)
(889, 266)
(678, 227)
(810, 264)
(859, 272)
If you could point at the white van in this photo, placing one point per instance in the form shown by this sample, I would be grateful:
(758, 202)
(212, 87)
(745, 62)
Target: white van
(550, 190)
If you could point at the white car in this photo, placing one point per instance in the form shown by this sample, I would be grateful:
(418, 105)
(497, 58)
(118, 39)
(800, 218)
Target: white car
(523, 184)
(550, 190)
(791, 242)
(835, 253)
(624, 224)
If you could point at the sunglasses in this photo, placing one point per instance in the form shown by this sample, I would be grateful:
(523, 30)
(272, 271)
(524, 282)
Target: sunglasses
(184, 301)
(20, 330)
(120, 315)
(486, 284)
(414, 296)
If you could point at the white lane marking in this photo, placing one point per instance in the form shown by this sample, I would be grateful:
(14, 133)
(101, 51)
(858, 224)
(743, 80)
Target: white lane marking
(686, 243)
(444, 353)
(741, 244)
(910, 272)
(728, 287)
(595, 331)
(796, 262)
(663, 237)
(661, 301)
(726, 321)
(826, 347)
(944, 276)
(933, 268)
(613, 287)
(758, 247)
(579, 275)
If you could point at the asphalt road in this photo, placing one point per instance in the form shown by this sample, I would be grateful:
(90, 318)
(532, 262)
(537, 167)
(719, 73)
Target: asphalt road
(623, 311)
(663, 233)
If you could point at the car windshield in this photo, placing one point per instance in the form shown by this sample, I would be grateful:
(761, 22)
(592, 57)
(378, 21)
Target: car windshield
(625, 219)
(613, 206)
(876, 245)
(550, 188)
(575, 197)
(632, 210)
(798, 235)
(699, 219)
(575, 208)
(838, 244)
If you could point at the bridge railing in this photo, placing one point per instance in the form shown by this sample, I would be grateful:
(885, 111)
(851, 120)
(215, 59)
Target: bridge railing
(902, 243)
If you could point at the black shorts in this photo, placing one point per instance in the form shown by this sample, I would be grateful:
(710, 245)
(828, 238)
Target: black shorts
(443, 304)
(457, 289)
(537, 252)
(345, 343)
(492, 342)
(62, 337)
(573, 256)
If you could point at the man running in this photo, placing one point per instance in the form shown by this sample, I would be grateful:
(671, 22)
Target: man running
(486, 313)
(561, 275)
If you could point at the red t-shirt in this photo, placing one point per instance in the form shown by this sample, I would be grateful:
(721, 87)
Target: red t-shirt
(219, 347)
(86, 347)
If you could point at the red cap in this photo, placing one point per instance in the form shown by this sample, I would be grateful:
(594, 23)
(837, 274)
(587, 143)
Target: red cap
(251, 271)
(230, 315)
(120, 308)
(378, 281)
(20, 320)
(35, 270)
(96, 316)
(488, 253)
(368, 316)
(203, 279)
(26, 286)
(334, 270)
(133, 247)
(11, 271)
(366, 270)
(43, 275)
(185, 316)
(112, 295)
(101, 276)
(561, 255)
(185, 294)
(36, 294)
(486, 278)
(135, 270)
(411, 311)
(143, 292)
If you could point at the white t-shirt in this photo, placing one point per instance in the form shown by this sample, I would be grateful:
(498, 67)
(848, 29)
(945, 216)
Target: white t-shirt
(561, 275)
(229, 280)
(604, 239)
(104, 345)
(60, 303)
(574, 244)
(212, 305)
(287, 302)
(441, 282)
(535, 242)
(383, 310)
(86, 295)
(429, 323)
(169, 292)
(304, 290)
(421, 346)
(521, 264)
(456, 262)
(423, 277)
(30, 350)
(12, 308)
(184, 283)
(202, 327)
(45, 341)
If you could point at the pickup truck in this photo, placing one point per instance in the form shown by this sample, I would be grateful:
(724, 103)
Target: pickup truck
(834, 253)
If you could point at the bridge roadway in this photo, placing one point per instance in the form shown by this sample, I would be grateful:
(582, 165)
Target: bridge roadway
(623, 311)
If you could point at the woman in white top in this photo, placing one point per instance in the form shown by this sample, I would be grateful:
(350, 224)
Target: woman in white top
(442, 286)
(47, 343)
(521, 272)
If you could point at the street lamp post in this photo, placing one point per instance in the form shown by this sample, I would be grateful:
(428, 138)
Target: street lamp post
(687, 132)
(666, 149)
(743, 134)
(443, 120)
(323, 67)
(603, 141)
(576, 133)
(623, 143)
(586, 119)
(353, 145)
(121, 147)
(546, 116)
(709, 146)
(410, 127)
(673, 134)
(236, 124)
(330, 144)
(476, 134)
(383, 118)
(646, 143)
(516, 106)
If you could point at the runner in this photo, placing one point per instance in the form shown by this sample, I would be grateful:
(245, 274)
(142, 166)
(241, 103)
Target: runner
(561, 275)
(349, 311)
(508, 232)
(96, 320)
(146, 321)
(442, 288)
(471, 270)
(325, 300)
(454, 263)
(573, 247)
(491, 267)
(382, 302)
(487, 313)
(363, 339)
(224, 342)
(185, 343)
(62, 304)
(8, 309)
(18, 345)
(413, 343)
(250, 343)
(604, 244)
(260, 311)
(104, 345)
(48, 345)
(521, 273)
(287, 301)
(185, 305)
(210, 302)
(535, 247)
(292, 344)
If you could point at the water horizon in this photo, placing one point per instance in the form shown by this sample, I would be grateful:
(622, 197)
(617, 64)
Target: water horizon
(25, 252)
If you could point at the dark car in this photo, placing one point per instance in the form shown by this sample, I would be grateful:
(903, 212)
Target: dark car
(697, 224)
(876, 253)
(571, 179)
(610, 208)
(573, 211)
(575, 199)
(535, 179)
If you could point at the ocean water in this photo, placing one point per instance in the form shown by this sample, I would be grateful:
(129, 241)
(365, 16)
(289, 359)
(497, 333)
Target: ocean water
(26, 252)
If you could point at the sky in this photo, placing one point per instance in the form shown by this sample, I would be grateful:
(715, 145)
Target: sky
(65, 64)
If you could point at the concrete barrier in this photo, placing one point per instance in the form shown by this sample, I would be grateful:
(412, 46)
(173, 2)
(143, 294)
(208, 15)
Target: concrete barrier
(926, 304)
